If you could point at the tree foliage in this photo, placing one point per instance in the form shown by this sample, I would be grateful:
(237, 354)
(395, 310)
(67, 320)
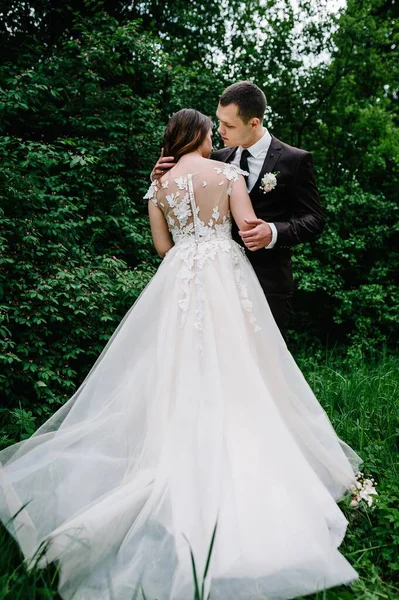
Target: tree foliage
(76, 150)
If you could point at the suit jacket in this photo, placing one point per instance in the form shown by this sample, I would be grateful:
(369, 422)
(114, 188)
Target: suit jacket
(293, 206)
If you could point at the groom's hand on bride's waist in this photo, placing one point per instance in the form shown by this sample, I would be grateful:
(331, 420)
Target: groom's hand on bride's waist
(164, 164)
(258, 237)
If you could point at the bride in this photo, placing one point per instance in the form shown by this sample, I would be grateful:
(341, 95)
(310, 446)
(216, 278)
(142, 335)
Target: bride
(195, 420)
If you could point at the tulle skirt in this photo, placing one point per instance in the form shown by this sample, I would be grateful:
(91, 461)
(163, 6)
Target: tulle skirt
(194, 416)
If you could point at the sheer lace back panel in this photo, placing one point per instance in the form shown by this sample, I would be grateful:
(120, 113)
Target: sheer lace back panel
(194, 197)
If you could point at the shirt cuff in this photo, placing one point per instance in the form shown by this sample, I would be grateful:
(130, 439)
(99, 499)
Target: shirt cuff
(274, 236)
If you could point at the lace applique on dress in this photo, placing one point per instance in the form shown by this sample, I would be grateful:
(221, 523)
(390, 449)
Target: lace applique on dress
(245, 301)
(197, 242)
(181, 183)
(152, 192)
(231, 172)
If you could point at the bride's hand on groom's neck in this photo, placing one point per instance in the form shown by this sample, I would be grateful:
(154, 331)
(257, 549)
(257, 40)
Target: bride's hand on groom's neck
(164, 164)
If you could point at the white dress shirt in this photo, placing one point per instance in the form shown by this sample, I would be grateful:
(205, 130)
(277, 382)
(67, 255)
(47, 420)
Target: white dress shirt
(256, 159)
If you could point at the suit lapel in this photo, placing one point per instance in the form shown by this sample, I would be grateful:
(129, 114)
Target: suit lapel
(270, 162)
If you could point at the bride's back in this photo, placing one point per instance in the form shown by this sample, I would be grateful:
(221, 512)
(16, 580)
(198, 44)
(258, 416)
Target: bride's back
(194, 196)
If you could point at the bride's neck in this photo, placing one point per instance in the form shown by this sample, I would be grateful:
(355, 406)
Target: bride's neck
(193, 154)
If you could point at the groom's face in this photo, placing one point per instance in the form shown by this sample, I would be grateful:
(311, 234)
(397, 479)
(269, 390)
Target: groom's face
(233, 130)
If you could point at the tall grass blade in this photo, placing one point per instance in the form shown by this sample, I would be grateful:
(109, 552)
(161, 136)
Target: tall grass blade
(197, 595)
(208, 560)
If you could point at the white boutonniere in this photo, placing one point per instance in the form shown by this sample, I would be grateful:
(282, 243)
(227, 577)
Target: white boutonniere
(269, 182)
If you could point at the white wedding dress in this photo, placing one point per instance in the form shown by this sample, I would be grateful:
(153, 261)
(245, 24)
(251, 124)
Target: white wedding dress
(195, 413)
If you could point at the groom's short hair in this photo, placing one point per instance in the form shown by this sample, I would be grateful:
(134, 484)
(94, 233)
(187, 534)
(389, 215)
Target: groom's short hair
(250, 99)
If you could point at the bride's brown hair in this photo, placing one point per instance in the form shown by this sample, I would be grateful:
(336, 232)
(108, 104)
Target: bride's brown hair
(185, 132)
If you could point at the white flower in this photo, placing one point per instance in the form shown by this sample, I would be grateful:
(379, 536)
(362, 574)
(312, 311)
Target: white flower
(152, 190)
(181, 182)
(172, 199)
(215, 213)
(269, 182)
(247, 304)
(183, 210)
(185, 273)
(363, 490)
(231, 172)
(189, 228)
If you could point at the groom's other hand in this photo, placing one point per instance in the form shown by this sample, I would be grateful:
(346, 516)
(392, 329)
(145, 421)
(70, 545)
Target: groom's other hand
(164, 164)
(258, 237)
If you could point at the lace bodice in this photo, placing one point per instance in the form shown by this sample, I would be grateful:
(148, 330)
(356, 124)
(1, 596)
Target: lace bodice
(194, 197)
(196, 203)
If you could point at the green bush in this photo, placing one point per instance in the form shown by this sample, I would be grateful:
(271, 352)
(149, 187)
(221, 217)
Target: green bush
(75, 248)
(347, 291)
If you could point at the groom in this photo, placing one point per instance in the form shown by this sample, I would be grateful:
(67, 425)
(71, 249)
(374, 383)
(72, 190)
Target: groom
(287, 204)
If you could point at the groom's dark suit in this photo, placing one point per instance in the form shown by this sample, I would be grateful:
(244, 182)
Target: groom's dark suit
(294, 207)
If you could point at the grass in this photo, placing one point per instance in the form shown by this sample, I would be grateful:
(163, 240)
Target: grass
(361, 398)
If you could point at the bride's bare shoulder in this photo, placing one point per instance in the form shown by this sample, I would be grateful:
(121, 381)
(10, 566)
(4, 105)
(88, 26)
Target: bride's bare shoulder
(215, 163)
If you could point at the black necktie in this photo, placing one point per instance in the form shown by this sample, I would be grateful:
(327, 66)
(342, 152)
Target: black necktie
(244, 162)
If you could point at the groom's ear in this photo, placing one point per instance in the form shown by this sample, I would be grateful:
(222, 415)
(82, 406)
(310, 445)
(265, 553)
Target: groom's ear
(254, 122)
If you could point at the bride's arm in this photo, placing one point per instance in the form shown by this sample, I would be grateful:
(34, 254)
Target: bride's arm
(159, 230)
(241, 205)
